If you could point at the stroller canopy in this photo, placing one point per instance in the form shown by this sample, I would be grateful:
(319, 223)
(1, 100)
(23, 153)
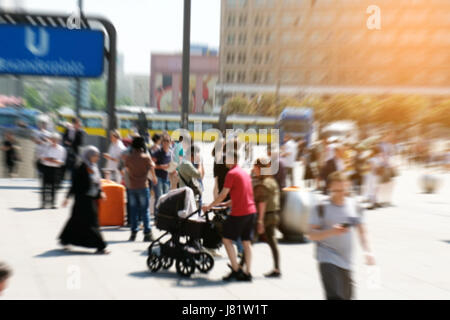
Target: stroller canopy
(178, 202)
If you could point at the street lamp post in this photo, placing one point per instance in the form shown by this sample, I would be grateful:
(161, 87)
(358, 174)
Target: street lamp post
(186, 64)
(78, 80)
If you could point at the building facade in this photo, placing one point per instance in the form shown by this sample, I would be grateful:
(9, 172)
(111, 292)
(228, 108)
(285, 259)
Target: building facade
(329, 43)
(166, 82)
(141, 90)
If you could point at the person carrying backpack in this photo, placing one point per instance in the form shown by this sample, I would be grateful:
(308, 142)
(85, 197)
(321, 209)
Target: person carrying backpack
(331, 226)
(188, 174)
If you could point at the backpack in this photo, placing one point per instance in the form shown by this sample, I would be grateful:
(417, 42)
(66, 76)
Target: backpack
(321, 212)
(191, 185)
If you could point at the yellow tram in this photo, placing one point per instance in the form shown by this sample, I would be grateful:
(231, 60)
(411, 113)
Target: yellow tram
(201, 127)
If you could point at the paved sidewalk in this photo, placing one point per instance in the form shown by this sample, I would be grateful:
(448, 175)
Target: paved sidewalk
(411, 242)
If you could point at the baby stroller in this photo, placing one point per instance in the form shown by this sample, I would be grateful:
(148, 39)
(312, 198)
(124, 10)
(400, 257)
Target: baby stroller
(188, 233)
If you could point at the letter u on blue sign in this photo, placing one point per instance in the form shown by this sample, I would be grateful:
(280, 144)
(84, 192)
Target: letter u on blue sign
(50, 51)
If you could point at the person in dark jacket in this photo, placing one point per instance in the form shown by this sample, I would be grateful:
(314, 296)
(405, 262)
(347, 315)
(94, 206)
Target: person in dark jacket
(336, 163)
(220, 170)
(73, 136)
(310, 162)
(82, 229)
(10, 148)
(359, 171)
(72, 141)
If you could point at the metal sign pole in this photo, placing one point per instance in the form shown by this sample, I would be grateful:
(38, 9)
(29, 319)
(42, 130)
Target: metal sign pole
(78, 80)
(186, 64)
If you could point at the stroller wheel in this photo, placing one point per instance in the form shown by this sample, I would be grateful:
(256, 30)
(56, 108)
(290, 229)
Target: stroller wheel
(154, 262)
(166, 262)
(185, 266)
(205, 262)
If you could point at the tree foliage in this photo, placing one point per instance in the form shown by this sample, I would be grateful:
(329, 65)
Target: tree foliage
(33, 99)
(391, 110)
(97, 94)
(238, 104)
(60, 97)
(124, 101)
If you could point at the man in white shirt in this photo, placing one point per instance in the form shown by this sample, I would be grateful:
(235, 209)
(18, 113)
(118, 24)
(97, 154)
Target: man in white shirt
(289, 155)
(41, 138)
(116, 148)
(52, 159)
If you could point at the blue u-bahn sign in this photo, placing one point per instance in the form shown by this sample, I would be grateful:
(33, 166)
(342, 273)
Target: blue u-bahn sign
(51, 51)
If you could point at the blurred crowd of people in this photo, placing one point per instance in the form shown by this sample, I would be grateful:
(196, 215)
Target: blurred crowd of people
(370, 165)
(150, 168)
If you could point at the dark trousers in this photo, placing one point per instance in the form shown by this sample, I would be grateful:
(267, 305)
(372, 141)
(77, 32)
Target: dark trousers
(39, 167)
(50, 180)
(128, 208)
(337, 282)
(9, 170)
(271, 240)
(290, 176)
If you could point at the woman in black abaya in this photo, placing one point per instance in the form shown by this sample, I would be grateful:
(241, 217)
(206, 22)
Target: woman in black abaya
(82, 229)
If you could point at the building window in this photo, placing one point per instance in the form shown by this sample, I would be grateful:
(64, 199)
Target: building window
(230, 76)
(288, 20)
(257, 21)
(292, 2)
(242, 39)
(259, 3)
(257, 77)
(268, 38)
(270, 3)
(268, 58)
(242, 3)
(230, 39)
(230, 58)
(257, 59)
(242, 20)
(242, 58)
(241, 77)
(231, 20)
(231, 3)
(258, 39)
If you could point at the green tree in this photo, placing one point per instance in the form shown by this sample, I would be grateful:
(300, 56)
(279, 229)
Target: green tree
(60, 97)
(262, 104)
(237, 104)
(33, 99)
(97, 94)
(124, 101)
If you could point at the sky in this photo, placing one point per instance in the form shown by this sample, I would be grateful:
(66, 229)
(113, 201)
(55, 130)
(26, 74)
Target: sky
(144, 26)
